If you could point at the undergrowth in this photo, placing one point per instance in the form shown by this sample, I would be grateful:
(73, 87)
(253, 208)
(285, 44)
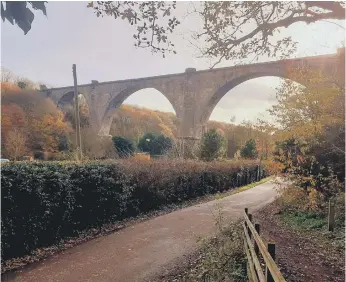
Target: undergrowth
(307, 211)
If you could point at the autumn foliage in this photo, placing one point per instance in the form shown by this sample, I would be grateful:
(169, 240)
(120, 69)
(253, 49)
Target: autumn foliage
(310, 136)
(30, 122)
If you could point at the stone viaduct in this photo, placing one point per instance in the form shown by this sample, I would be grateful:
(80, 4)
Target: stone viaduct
(193, 94)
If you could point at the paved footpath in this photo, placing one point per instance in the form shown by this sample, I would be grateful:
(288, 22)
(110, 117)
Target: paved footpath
(137, 252)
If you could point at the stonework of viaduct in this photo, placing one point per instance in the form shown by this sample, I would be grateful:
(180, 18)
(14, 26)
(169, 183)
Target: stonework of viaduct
(193, 94)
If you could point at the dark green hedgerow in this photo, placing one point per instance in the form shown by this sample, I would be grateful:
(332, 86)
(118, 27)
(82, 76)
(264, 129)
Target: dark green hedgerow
(45, 202)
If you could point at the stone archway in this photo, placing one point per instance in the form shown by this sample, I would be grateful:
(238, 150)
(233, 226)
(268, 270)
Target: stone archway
(224, 89)
(117, 101)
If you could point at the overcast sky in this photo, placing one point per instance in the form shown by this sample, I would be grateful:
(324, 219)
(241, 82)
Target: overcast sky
(103, 50)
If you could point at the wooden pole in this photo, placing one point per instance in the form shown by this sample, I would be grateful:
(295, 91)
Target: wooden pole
(257, 227)
(331, 216)
(246, 265)
(248, 228)
(78, 135)
(271, 251)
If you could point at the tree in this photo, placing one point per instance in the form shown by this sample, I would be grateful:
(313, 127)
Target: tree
(21, 84)
(84, 116)
(213, 145)
(161, 145)
(9, 77)
(49, 133)
(6, 75)
(95, 146)
(314, 118)
(239, 29)
(20, 14)
(15, 144)
(249, 150)
(12, 117)
(155, 144)
(231, 29)
(145, 143)
(306, 110)
(123, 146)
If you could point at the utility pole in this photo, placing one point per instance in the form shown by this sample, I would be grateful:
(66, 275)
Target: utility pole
(78, 136)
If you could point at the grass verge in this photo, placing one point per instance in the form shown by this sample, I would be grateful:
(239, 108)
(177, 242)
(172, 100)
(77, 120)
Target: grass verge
(219, 258)
(297, 212)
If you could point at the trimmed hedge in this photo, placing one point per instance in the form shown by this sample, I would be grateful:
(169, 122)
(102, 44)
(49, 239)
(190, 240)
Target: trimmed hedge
(43, 203)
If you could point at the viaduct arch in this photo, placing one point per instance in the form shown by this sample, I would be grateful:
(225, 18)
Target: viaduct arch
(193, 94)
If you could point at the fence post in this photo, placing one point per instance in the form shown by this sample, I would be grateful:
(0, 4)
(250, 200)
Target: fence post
(331, 216)
(248, 228)
(271, 251)
(258, 174)
(246, 264)
(257, 227)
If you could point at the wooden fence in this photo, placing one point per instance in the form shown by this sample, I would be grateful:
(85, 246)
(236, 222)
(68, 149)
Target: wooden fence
(256, 252)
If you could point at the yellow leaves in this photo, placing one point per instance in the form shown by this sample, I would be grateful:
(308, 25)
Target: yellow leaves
(46, 131)
(165, 130)
(315, 199)
(306, 111)
(132, 122)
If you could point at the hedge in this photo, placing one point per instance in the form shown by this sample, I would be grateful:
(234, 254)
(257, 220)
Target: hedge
(45, 202)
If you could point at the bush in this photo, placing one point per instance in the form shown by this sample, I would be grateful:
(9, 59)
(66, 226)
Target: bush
(163, 144)
(155, 145)
(213, 146)
(123, 146)
(44, 202)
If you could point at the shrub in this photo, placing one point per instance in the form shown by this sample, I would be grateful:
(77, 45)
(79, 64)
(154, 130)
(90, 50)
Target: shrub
(44, 202)
(145, 142)
(155, 145)
(163, 144)
(213, 146)
(123, 146)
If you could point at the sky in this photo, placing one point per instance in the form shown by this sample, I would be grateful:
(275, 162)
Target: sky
(102, 49)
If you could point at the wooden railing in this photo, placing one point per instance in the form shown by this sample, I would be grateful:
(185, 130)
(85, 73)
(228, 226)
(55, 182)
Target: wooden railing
(256, 251)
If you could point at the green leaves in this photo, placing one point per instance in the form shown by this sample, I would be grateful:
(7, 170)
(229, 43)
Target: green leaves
(155, 144)
(249, 151)
(124, 147)
(214, 146)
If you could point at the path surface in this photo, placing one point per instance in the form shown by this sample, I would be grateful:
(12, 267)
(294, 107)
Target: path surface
(137, 252)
